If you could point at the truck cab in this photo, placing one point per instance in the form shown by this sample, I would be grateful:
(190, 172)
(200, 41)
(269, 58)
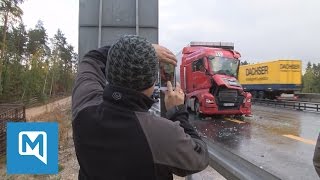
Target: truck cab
(208, 75)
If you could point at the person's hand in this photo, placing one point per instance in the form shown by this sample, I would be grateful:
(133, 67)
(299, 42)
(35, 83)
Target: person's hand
(173, 97)
(165, 55)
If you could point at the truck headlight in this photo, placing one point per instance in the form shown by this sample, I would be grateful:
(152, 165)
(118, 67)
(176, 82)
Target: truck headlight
(208, 101)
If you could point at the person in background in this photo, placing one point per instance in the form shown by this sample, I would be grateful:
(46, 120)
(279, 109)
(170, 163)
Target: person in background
(316, 156)
(115, 136)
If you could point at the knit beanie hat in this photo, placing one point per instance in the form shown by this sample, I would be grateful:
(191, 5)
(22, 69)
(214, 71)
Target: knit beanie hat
(132, 63)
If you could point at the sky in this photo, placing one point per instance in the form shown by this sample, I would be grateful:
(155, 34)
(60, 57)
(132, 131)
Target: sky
(55, 14)
(261, 30)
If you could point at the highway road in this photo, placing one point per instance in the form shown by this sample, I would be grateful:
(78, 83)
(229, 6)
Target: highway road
(277, 140)
(281, 141)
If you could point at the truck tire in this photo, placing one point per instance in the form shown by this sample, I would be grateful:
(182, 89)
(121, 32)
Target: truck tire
(197, 109)
(254, 94)
(261, 95)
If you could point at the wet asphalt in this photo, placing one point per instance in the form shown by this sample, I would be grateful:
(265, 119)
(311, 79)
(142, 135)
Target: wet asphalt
(278, 140)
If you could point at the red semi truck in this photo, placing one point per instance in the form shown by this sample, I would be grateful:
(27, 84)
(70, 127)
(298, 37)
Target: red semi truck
(207, 72)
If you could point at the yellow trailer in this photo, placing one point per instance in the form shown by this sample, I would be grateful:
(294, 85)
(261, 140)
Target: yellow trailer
(272, 78)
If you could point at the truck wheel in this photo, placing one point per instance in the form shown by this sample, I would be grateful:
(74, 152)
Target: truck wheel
(261, 95)
(197, 109)
(254, 94)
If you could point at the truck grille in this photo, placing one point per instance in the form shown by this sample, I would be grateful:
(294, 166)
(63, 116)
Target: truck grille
(228, 95)
(229, 99)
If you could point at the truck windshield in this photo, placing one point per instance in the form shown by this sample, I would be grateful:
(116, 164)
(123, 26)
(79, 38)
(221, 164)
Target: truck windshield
(223, 65)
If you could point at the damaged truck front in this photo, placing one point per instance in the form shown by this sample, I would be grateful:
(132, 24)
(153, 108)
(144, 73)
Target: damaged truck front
(207, 72)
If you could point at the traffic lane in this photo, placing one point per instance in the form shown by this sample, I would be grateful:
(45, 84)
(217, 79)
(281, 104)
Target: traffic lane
(260, 140)
(298, 123)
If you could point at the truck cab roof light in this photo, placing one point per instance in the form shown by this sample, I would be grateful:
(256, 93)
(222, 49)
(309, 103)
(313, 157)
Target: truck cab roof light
(224, 45)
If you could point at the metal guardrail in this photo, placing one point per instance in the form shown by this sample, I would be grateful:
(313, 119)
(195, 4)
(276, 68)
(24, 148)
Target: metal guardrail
(310, 97)
(234, 167)
(231, 166)
(298, 105)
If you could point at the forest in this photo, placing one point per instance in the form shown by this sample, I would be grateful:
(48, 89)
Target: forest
(32, 64)
(311, 78)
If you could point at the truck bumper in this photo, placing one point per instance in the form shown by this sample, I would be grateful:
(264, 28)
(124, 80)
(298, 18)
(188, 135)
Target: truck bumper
(243, 110)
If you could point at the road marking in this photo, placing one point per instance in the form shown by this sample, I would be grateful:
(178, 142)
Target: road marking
(307, 141)
(234, 120)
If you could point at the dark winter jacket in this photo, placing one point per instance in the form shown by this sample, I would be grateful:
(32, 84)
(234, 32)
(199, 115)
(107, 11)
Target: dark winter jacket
(316, 156)
(117, 138)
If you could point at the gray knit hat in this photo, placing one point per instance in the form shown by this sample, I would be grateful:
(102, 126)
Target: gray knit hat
(132, 63)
